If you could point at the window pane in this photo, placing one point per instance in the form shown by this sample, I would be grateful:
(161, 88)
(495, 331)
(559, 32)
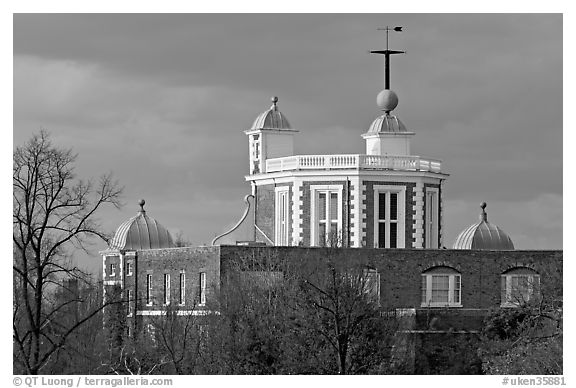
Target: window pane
(423, 286)
(334, 236)
(440, 288)
(456, 298)
(322, 233)
(333, 206)
(503, 289)
(381, 235)
(321, 206)
(393, 235)
(394, 206)
(382, 206)
(520, 289)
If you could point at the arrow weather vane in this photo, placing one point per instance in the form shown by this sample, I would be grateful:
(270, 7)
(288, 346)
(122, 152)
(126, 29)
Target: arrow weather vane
(387, 54)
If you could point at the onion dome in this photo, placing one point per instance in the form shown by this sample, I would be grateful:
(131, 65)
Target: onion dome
(483, 235)
(272, 118)
(141, 232)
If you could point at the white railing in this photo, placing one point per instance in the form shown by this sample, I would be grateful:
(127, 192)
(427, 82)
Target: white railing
(364, 162)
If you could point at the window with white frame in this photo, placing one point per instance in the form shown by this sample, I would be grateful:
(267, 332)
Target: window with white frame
(431, 222)
(372, 285)
(202, 289)
(112, 269)
(441, 287)
(282, 216)
(326, 210)
(519, 286)
(130, 301)
(149, 289)
(182, 296)
(166, 288)
(129, 268)
(389, 204)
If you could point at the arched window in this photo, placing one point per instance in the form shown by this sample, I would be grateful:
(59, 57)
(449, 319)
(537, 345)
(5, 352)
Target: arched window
(519, 286)
(441, 287)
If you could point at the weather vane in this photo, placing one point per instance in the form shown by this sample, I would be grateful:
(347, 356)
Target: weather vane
(387, 54)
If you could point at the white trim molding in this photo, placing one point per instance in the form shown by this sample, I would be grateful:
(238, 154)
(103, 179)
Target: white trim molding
(178, 312)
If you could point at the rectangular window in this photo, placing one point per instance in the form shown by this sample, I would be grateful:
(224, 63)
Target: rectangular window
(128, 268)
(182, 296)
(166, 288)
(202, 289)
(112, 269)
(130, 301)
(519, 289)
(389, 216)
(149, 289)
(431, 222)
(282, 224)
(326, 210)
(372, 285)
(441, 290)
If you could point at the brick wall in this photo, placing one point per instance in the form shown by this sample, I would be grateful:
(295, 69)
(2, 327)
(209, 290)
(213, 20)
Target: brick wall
(265, 212)
(192, 261)
(400, 269)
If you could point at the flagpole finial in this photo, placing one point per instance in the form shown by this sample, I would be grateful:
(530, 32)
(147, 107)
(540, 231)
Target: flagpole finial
(387, 54)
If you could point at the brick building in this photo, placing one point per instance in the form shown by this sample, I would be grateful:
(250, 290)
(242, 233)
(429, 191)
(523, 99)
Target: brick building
(383, 209)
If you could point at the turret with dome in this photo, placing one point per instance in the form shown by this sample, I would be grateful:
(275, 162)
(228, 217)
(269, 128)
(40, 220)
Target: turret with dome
(141, 232)
(483, 235)
(384, 198)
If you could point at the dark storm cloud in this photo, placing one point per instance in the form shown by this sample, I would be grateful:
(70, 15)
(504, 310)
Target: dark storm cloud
(162, 100)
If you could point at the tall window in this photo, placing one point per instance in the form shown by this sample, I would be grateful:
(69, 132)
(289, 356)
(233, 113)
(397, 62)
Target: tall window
(431, 213)
(282, 215)
(149, 289)
(182, 296)
(519, 286)
(372, 285)
(389, 216)
(130, 300)
(256, 154)
(327, 215)
(441, 286)
(129, 268)
(112, 269)
(202, 289)
(166, 288)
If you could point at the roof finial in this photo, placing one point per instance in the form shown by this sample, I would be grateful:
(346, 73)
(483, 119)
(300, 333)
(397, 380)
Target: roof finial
(483, 215)
(274, 102)
(142, 203)
(387, 54)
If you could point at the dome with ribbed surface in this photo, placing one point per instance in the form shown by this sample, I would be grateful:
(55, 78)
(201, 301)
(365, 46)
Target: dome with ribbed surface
(272, 118)
(387, 123)
(141, 232)
(483, 235)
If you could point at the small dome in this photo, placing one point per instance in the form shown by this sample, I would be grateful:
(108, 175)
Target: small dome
(387, 100)
(387, 123)
(483, 235)
(272, 118)
(141, 232)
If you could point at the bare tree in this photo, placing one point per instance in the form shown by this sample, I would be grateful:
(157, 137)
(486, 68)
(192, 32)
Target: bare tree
(344, 300)
(53, 214)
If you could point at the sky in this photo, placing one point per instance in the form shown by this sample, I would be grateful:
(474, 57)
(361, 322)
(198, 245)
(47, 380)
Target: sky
(162, 100)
